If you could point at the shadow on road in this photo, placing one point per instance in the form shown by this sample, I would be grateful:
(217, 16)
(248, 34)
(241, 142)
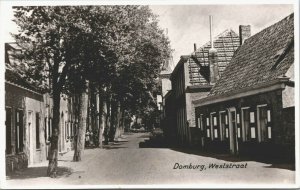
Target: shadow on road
(144, 136)
(113, 147)
(36, 172)
(275, 163)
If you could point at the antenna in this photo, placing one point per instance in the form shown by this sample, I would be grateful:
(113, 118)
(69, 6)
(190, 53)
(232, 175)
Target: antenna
(211, 30)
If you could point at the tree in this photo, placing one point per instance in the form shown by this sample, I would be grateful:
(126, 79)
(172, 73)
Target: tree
(51, 39)
(116, 48)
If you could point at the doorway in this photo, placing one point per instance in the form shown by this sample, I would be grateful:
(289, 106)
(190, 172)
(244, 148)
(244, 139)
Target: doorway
(30, 143)
(233, 139)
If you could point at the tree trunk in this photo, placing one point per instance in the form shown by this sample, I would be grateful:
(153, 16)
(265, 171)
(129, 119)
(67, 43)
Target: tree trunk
(122, 121)
(82, 122)
(102, 118)
(52, 166)
(93, 113)
(118, 121)
(107, 122)
(113, 123)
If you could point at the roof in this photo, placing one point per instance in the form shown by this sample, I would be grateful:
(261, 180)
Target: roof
(262, 58)
(13, 68)
(225, 43)
(167, 66)
(181, 61)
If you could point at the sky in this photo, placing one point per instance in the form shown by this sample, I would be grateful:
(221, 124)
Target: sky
(189, 24)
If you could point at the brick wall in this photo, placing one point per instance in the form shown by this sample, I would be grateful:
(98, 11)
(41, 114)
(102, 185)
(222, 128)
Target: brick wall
(282, 123)
(190, 106)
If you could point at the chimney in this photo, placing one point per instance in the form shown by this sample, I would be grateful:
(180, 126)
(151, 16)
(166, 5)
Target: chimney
(244, 33)
(212, 57)
(195, 46)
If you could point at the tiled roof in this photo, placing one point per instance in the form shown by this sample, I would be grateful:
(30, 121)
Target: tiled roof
(13, 68)
(225, 43)
(263, 58)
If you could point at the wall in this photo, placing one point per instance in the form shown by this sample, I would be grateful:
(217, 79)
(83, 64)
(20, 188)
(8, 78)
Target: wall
(17, 98)
(165, 85)
(38, 154)
(179, 105)
(281, 132)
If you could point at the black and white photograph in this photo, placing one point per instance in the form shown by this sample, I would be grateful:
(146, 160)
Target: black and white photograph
(128, 94)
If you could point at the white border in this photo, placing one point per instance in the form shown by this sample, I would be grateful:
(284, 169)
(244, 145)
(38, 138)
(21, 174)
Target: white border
(6, 3)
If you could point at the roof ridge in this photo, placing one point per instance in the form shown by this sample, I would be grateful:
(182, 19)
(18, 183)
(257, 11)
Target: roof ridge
(263, 57)
(222, 34)
(272, 25)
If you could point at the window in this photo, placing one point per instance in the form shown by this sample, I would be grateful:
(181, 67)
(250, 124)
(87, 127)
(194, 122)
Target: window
(216, 133)
(253, 136)
(214, 126)
(252, 124)
(200, 122)
(207, 127)
(8, 130)
(226, 127)
(69, 129)
(66, 131)
(227, 133)
(215, 121)
(264, 119)
(207, 121)
(72, 131)
(237, 118)
(46, 128)
(208, 132)
(37, 131)
(246, 123)
(19, 131)
(50, 127)
(252, 117)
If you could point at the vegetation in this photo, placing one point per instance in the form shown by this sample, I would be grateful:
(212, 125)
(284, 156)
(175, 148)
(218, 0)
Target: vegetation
(112, 54)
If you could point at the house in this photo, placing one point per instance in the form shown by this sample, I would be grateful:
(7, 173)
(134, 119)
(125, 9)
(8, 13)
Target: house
(67, 121)
(251, 109)
(193, 78)
(25, 144)
(165, 86)
(29, 113)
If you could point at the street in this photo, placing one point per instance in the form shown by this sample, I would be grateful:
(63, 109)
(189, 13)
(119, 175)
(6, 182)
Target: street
(124, 163)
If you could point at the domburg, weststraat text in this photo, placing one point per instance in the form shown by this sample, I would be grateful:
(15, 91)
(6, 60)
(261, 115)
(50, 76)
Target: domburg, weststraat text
(202, 167)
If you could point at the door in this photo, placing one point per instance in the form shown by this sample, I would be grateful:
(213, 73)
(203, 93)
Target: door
(262, 121)
(233, 131)
(8, 120)
(19, 136)
(30, 140)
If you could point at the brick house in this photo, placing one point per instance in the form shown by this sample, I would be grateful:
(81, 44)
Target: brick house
(192, 79)
(29, 117)
(251, 109)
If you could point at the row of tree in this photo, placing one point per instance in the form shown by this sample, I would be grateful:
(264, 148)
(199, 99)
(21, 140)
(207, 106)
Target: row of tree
(113, 52)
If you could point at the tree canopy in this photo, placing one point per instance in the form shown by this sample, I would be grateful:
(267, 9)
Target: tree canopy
(117, 46)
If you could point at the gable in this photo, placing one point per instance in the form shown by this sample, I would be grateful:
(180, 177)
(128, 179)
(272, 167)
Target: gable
(262, 58)
(225, 43)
